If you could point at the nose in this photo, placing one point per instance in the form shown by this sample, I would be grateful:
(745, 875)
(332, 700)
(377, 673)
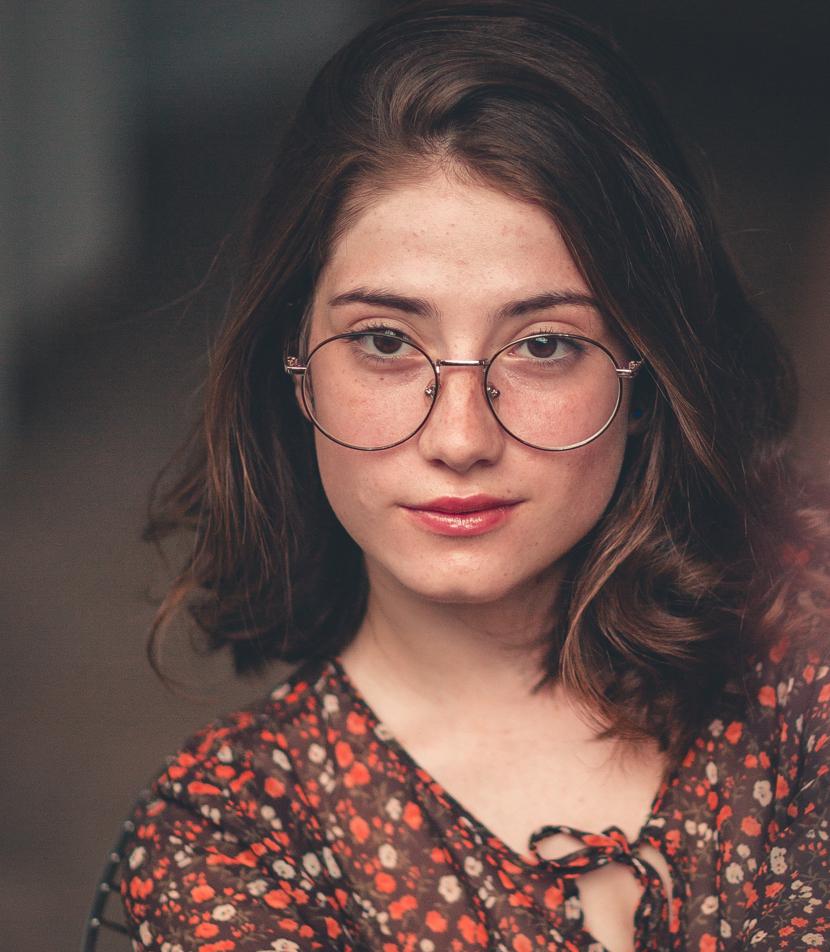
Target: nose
(461, 430)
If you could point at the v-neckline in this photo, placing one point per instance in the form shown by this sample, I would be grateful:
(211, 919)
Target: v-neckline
(650, 830)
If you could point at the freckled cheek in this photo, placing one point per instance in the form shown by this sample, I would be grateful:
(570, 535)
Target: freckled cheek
(354, 484)
(582, 481)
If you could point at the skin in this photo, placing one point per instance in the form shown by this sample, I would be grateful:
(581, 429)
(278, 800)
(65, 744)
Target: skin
(467, 250)
(454, 626)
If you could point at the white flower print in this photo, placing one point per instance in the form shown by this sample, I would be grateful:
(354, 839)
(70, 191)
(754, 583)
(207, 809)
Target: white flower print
(137, 857)
(331, 863)
(691, 827)
(282, 869)
(330, 703)
(712, 773)
(758, 937)
(144, 933)
(716, 727)
(267, 812)
(311, 864)
(258, 887)
(183, 858)
(279, 693)
(709, 905)
(472, 866)
(762, 792)
(224, 912)
(426, 945)
(394, 808)
(388, 855)
(813, 938)
(777, 860)
(280, 759)
(284, 945)
(742, 850)
(725, 929)
(316, 753)
(734, 873)
(382, 732)
(449, 888)
(573, 907)
(783, 690)
(224, 755)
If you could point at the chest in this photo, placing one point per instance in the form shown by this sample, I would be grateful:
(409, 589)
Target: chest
(514, 789)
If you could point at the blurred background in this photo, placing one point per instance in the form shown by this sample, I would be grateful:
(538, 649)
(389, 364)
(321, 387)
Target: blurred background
(134, 134)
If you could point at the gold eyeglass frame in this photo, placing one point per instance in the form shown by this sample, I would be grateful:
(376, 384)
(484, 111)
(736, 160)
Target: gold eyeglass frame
(294, 367)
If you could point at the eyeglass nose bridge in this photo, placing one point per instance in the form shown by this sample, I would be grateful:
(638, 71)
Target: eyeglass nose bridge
(433, 389)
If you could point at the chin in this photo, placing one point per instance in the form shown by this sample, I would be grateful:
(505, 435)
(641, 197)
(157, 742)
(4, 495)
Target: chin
(475, 588)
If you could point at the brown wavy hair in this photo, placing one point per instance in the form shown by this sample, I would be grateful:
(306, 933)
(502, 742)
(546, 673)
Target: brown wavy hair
(712, 539)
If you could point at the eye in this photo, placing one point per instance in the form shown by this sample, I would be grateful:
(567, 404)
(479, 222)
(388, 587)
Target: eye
(383, 344)
(386, 344)
(547, 347)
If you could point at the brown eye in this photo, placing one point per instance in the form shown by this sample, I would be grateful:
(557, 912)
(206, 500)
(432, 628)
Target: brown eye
(542, 347)
(386, 344)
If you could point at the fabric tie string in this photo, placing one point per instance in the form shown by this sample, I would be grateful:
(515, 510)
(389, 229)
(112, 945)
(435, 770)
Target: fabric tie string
(651, 920)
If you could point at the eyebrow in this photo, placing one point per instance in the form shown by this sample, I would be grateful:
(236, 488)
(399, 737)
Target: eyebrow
(421, 308)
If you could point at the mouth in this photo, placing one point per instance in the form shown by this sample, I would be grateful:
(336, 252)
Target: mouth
(462, 516)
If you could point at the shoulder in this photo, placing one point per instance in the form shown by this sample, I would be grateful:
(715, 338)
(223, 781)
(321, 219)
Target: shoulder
(793, 672)
(239, 768)
(788, 689)
(226, 848)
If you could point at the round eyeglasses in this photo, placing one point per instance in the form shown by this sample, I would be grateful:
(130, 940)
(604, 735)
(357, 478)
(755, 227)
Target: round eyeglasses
(374, 389)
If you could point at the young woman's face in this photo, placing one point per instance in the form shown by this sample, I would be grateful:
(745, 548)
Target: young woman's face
(468, 253)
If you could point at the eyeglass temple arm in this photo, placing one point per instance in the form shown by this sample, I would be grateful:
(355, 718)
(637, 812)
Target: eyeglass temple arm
(631, 370)
(293, 367)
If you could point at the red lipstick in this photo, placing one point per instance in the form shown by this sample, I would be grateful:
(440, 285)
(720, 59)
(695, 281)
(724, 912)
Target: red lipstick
(462, 516)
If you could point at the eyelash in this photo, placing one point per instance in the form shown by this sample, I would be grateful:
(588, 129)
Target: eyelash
(380, 328)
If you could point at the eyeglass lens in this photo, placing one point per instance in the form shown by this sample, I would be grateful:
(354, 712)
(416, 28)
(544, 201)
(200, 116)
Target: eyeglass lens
(371, 391)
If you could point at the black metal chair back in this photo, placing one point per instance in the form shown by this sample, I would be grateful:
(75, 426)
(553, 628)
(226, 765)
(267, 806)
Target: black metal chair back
(106, 915)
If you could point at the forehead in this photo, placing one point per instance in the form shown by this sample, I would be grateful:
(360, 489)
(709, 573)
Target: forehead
(441, 236)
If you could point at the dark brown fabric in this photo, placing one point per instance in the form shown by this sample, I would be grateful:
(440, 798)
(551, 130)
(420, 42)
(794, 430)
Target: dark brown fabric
(301, 824)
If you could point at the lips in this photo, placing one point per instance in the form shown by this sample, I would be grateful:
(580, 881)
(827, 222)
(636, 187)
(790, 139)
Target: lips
(462, 516)
(456, 504)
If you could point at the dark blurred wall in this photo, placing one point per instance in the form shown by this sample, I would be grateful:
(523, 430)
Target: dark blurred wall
(135, 132)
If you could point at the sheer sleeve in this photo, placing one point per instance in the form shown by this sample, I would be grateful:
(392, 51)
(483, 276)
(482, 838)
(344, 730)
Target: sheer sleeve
(224, 860)
(788, 902)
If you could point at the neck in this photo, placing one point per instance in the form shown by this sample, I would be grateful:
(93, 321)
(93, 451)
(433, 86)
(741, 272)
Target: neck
(468, 661)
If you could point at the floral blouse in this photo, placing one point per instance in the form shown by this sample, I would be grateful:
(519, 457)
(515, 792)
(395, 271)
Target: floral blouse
(300, 823)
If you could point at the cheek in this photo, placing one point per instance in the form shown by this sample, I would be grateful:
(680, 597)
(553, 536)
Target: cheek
(351, 483)
(581, 482)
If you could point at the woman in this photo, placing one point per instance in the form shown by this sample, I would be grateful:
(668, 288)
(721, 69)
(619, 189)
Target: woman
(523, 508)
